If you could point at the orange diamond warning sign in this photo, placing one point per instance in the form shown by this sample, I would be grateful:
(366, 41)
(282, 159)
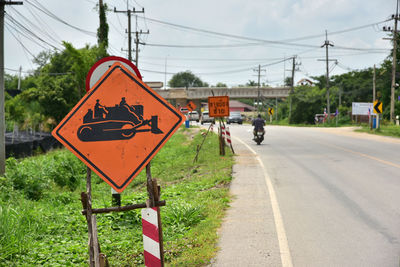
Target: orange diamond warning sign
(118, 126)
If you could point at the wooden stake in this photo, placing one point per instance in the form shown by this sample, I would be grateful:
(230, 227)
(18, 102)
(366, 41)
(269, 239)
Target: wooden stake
(93, 245)
(150, 189)
(201, 145)
(221, 140)
(124, 208)
(157, 193)
(96, 250)
(154, 196)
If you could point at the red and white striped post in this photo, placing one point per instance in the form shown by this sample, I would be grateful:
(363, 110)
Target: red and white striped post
(228, 139)
(223, 132)
(151, 237)
(228, 136)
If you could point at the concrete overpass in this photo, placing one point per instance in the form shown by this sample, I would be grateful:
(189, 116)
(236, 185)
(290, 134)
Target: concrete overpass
(180, 96)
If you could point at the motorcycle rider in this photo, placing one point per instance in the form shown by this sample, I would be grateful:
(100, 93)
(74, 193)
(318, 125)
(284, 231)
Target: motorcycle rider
(258, 124)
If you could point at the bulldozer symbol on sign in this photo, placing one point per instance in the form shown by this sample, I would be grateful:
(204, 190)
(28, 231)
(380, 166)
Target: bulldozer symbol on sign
(120, 122)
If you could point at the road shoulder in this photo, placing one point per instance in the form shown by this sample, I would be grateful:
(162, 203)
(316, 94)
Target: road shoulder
(248, 236)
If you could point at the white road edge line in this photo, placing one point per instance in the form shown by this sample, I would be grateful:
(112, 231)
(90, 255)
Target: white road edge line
(286, 258)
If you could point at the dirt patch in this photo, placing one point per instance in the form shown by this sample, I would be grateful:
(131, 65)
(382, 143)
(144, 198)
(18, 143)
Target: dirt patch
(350, 131)
(190, 134)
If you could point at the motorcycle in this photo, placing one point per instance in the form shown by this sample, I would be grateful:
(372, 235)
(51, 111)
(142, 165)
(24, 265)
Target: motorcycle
(258, 136)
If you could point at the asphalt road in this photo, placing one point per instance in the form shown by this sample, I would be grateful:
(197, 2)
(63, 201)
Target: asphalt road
(338, 194)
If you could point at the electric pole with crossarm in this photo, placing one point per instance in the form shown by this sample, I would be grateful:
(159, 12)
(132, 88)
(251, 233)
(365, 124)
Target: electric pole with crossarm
(326, 45)
(3, 3)
(129, 12)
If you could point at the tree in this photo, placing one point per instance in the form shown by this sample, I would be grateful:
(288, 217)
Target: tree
(42, 59)
(288, 81)
(219, 84)
(306, 102)
(10, 81)
(61, 82)
(102, 31)
(251, 83)
(186, 79)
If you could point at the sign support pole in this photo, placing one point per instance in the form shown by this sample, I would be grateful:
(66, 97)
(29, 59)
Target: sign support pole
(154, 196)
(221, 140)
(86, 198)
(201, 145)
(378, 117)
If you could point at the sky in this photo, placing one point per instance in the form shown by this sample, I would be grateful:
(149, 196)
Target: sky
(221, 41)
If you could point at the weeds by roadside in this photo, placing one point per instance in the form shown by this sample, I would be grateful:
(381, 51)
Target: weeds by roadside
(385, 130)
(40, 211)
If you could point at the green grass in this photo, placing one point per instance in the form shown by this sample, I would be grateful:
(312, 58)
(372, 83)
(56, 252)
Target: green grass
(385, 130)
(40, 211)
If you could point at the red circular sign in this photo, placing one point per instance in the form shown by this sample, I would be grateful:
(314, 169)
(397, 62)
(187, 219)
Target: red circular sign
(101, 66)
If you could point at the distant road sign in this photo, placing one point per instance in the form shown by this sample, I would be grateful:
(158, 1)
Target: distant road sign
(101, 66)
(184, 110)
(155, 85)
(361, 108)
(191, 106)
(378, 107)
(271, 111)
(118, 126)
(218, 106)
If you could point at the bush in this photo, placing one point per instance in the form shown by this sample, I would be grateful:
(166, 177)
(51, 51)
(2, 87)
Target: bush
(26, 176)
(183, 214)
(34, 175)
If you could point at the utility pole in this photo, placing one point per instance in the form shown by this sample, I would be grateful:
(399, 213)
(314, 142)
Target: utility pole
(3, 3)
(284, 70)
(373, 94)
(137, 44)
(327, 44)
(129, 12)
(258, 70)
(19, 78)
(394, 61)
(374, 85)
(294, 64)
(165, 74)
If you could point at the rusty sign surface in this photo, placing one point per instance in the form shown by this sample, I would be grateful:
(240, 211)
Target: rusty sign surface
(118, 126)
(218, 106)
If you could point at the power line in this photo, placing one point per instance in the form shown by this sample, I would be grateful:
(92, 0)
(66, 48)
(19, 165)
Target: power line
(42, 22)
(337, 32)
(33, 25)
(205, 46)
(228, 35)
(24, 29)
(285, 43)
(222, 72)
(19, 41)
(23, 34)
(42, 72)
(44, 10)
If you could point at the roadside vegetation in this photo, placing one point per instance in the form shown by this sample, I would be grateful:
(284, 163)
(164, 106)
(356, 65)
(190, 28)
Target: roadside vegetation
(40, 210)
(385, 130)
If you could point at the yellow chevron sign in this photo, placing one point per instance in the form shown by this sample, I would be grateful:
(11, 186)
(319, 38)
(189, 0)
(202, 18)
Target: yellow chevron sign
(271, 111)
